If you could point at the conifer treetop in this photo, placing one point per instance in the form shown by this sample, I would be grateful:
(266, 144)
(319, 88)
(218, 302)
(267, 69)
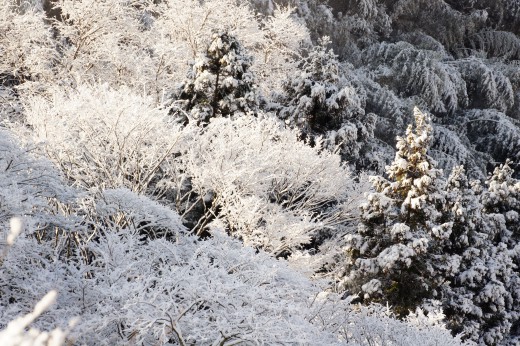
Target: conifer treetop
(412, 173)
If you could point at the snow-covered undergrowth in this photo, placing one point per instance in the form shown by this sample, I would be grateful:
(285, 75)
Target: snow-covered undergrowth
(251, 175)
(186, 292)
(191, 292)
(131, 272)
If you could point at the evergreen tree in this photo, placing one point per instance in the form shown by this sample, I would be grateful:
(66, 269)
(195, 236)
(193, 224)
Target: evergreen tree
(478, 300)
(220, 83)
(501, 204)
(501, 201)
(321, 101)
(396, 257)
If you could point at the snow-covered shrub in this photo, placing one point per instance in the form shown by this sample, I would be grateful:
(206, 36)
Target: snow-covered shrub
(30, 187)
(104, 41)
(268, 187)
(26, 44)
(375, 324)
(19, 333)
(121, 207)
(104, 138)
(188, 291)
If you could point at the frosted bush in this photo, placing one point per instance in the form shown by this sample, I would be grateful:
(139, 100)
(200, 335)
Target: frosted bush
(104, 41)
(26, 44)
(103, 137)
(18, 332)
(190, 292)
(268, 187)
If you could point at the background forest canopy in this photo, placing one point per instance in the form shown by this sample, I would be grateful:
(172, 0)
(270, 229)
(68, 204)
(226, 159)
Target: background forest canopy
(223, 172)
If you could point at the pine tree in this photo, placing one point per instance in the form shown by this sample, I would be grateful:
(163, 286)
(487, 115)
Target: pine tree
(501, 203)
(220, 83)
(396, 257)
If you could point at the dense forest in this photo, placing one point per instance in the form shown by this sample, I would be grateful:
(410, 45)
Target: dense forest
(260, 172)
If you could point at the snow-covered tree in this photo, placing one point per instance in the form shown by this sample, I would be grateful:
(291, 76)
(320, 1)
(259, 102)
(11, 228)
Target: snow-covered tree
(498, 15)
(321, 101)
(436, 18)
(478, 301)
(491, 133)
(502, 200)
(220, 83)
(396, 255)
(357, 24)
(452, 149)
(420, 72)
(277, 55)
(481, 301)
(182, 31)
(487, 86)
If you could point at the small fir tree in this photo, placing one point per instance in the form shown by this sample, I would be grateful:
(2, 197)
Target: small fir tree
(463, 209)
(220, 83)
(501, 206)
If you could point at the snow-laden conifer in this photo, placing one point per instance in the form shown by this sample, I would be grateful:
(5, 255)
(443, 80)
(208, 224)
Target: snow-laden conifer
(396, 256)
(220, 83)
(478, 300)
(320, 100)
